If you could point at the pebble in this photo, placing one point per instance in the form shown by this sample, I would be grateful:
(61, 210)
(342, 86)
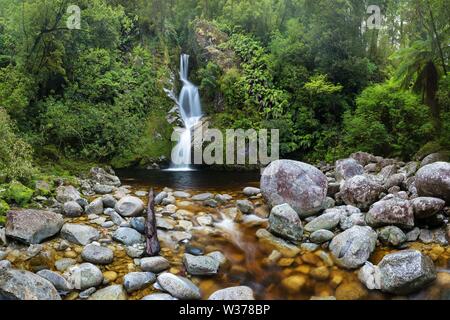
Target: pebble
(294, 283)
(110, 276)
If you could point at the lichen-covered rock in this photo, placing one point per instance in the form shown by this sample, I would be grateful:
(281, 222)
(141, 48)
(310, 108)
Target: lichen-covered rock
(425, 207)
(233, 294)
(406, 272)
(433, 180)
(285, 222)
(348, 168)
(32, 226)
(394, 211)
(361, 192)
(353, 247)
(298, 184)
(24, 285)
(392, 236)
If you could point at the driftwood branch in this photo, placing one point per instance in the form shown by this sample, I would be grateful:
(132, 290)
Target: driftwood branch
(151, 234)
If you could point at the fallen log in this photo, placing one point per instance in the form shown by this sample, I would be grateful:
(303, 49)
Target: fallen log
(153, 247)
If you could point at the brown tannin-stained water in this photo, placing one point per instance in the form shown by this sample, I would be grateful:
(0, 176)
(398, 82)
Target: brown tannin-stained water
(251, 261)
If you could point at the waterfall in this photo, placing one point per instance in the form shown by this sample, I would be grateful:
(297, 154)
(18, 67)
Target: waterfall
(191, 113)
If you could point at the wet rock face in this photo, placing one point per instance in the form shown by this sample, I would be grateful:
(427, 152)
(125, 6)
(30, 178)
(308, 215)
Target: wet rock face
(433, 180)
(285, 222)
(361, 192)
(24, 285)
(298, 184)
(352, 248)
(395, 211)
(348, 168)
(32, 226)
(406, 272)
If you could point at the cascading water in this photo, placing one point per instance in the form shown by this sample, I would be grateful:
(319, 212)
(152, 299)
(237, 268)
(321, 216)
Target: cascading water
(191, 113)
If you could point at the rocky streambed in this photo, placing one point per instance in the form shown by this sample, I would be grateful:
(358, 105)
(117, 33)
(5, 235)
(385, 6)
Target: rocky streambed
(363, 228)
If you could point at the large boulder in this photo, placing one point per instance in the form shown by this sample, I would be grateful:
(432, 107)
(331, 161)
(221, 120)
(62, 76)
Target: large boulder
(67, 193)
(406, 272)
(353, 247)
(32, 226)
(178, 287)
(361, 191)
(394, 211)
(129, 206)
(298, 184)
(433, 180)
(285, 222)
(25, 285)
(233, 294)
(348, 168)
(100, 176)
(79, 233)
(425, 207)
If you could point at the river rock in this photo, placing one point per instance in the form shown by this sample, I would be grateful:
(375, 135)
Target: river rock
(178, 287)
(5, 265)
(138, 224)
(394, 211)
(111, 293)
(32, 226)
(79, 233)
(128, 236)
(405, 272)
(285, 222)
(348, 168)
(217, 255)
(160, 197)
(202, 197)
(109, 201)
(181, 194)
(245, 206)
(321, 236)
(223, 198)
(25, 285)
(425, 207)
(137, 280)
(97, 254)
(154, 264)
(58, 281)
(159, 297)
(67, 193)
(95, 207)
(129, 206)
(435, 157)
(72, 209)
(100, 176)
(363, 158)
(200, 265)
(84, 276)
(353, 247)
(328, 220)
(360, 191)
(115, 217)
(103, 188)
(298, 184)
(392, 236)
(287, 249)
(370, 276)
(65, 263)
(394, 181)
(251, 191)
(433, 180)
(233, 294)
(135, 251)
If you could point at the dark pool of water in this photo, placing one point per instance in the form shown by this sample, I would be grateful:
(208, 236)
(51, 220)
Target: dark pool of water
(201, 179)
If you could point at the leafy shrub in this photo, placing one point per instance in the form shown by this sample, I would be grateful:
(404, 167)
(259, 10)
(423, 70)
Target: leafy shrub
(15, 153)
(18, 193)
(387, 121)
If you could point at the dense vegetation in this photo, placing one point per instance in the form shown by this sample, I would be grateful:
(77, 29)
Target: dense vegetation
(306, 67)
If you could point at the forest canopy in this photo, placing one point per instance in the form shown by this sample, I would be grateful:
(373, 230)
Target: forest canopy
(317, 70)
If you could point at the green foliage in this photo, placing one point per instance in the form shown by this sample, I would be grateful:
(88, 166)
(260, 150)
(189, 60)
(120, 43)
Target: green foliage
(387, 121)
(15, 153)
(4, 207)
(18, 193)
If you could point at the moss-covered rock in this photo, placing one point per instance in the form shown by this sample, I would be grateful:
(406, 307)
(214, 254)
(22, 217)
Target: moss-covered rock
(19, 193)
(4, 207)
(43, 188)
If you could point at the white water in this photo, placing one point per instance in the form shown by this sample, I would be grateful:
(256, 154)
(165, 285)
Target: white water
(191, 113)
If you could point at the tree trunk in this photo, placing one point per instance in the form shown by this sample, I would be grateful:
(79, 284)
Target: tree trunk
(153, 247)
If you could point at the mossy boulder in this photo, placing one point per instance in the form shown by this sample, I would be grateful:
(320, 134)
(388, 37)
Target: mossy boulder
(4, 207)
(19, 193)
(43, 188)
